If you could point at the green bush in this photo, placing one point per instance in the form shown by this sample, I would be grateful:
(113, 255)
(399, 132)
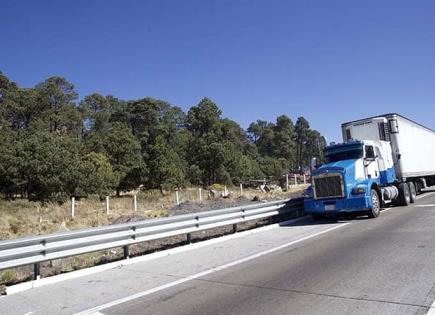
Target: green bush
(8, 276)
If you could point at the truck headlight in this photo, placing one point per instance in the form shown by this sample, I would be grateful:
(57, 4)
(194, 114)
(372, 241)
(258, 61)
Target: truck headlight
(359, 190)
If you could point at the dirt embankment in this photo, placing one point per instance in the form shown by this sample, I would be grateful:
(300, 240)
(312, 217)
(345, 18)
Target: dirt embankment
(217, 203)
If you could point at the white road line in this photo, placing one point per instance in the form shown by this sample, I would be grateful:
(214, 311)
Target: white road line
(428, 205)
(204, 273)
(431, 309)
(425, 195)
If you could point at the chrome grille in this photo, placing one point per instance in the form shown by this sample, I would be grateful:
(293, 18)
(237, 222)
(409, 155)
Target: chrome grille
(328, 186)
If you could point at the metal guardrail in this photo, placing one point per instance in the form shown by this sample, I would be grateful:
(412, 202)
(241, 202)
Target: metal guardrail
(37, 249)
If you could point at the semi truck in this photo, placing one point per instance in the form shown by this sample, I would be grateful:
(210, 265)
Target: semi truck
(383, 160)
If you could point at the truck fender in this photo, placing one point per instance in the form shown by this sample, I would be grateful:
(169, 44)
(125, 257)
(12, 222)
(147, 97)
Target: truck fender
(370, 184)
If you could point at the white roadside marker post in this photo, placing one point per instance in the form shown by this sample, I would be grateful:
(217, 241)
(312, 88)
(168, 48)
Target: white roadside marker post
(107, 205)
(73, 207)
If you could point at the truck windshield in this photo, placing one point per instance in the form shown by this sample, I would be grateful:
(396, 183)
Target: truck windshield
(345, 152)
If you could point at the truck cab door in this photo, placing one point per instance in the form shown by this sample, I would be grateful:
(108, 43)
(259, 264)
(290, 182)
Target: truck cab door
(370, 162)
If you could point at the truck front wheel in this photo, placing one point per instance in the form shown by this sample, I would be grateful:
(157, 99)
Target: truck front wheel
(376, 205)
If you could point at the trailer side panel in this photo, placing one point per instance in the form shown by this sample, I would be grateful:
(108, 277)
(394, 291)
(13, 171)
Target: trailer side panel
(413, 149)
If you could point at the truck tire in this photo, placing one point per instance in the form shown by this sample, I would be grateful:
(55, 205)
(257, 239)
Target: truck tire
(376, 205)
(412, 192)
(418, 186)
(404, 197)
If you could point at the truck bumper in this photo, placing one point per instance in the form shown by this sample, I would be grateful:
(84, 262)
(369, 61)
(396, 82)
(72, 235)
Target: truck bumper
(335, 206)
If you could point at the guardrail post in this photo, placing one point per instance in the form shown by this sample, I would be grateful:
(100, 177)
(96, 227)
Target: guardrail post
(73, 207)
(241, 189)
(135, 203)
(107, 205)
(305, 179)
(296, 180)
(177, 198)
(126, 249)
(286, 181)
(189, 238)
(235, 228)
(200, 194)
(36, 271)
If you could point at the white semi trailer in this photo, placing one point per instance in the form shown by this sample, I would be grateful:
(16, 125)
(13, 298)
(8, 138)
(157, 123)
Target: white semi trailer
(384, 159)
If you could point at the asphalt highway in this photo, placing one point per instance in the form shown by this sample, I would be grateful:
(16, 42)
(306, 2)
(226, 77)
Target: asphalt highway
(361, 266)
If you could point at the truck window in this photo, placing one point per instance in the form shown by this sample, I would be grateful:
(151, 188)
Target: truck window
(343, 152)
(370, 152)
(348, 135)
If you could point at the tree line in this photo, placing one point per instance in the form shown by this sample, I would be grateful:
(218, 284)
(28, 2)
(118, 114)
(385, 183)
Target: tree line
(54, 146)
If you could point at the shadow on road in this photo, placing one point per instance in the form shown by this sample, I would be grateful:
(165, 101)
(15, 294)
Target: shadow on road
(308, 220)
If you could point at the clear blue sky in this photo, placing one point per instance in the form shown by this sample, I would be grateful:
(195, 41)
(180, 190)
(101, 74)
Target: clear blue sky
(330, 61)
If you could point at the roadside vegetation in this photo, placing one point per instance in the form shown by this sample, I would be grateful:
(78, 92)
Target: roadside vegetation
(55, 146)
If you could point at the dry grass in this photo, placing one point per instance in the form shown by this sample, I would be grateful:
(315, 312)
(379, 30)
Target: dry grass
(21, 217)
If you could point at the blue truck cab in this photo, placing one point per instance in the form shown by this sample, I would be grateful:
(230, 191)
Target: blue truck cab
(351, 180)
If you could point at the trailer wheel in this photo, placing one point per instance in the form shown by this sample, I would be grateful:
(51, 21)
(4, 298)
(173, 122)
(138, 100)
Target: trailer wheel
(376, 205)
(412, 192)
(404, 197)
(418, 186)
